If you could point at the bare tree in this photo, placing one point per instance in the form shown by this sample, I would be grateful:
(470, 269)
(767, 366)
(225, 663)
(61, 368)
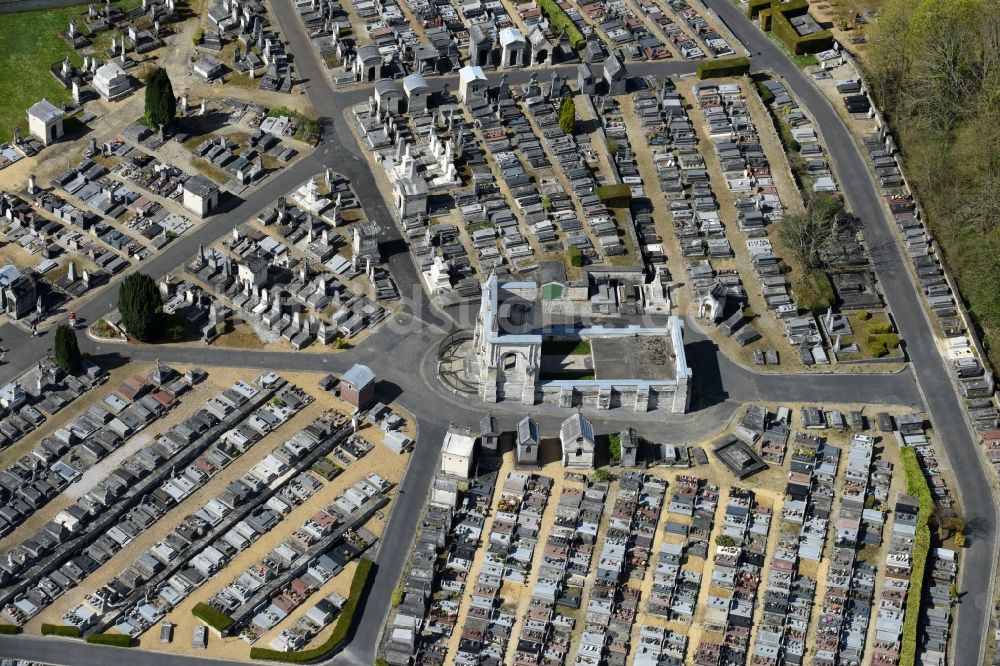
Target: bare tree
(809, 233)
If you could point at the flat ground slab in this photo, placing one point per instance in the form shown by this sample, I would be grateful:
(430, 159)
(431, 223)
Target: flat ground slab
(638, 357)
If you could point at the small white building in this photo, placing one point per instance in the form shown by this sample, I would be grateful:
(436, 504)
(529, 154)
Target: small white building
(207, 68)
(512, 47)
(457, 452)
(471, 82)
(111, 82)
(526, 443)
(253, 270)
(388, 96)
(45, 121)
(201, 196)
(577, 438)
(417, 91)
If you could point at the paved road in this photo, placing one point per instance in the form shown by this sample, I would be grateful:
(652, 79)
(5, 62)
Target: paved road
(933, 377)
(398, 350)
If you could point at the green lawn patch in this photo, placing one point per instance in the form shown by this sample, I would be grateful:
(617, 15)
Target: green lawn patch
(565, 347)
(308, 128)
(113, 640)
(344, 622)
(60, 630)
(327, 468)
(31, 45)
(213, 617)
(873, 335)
(916, 485)
(814, 292)
(478, 226)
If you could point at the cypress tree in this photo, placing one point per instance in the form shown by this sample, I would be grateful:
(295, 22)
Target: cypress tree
(567, 115)
(140, 305)
(66, 351)
(161, 105)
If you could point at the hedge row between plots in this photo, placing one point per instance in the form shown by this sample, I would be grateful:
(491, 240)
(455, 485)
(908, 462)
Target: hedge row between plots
(559, 20)
(916, 485)
(721, 67)
(114, 640)
(796, 43)
(60, 630)
(213, 617)
(344, 622)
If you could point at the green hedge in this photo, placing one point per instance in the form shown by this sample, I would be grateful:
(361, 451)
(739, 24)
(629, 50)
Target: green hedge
(559, 20)
(721, 67)
(793, 8)
(814, 43)
(798, 44)
(60, 630)
(213, 617)
(344, 622)
(754, 7)
(916, 485)
(114, 640)
(617, 195)
(765, 20)
(9, 629)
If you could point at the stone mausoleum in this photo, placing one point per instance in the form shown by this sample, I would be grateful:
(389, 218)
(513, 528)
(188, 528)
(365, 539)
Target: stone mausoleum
(516, 356)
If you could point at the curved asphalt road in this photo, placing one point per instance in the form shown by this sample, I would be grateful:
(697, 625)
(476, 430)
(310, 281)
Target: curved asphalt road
(398, 350)
(933, 377)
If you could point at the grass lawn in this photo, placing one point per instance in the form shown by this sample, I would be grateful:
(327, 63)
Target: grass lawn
(30, 46)
(565, 347)
(873, 335)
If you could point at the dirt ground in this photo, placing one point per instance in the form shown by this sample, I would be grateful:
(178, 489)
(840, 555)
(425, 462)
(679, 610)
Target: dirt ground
(380, 460)
(769, 491)
(112, 117)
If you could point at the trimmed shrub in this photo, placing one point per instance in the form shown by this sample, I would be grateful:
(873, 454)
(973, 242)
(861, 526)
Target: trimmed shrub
(721, 67)
(766, 95)
(793, 8)
(618, 195)
(574, 256)
(60, 630)
(798, 44)
(754, 7)
(916, 485)
(765, 20)
(877, 329)
(113, 640)
(213, 617)
(559, 20)
(615, 447)
(344, 622)
(567, 115)
(9, 629)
